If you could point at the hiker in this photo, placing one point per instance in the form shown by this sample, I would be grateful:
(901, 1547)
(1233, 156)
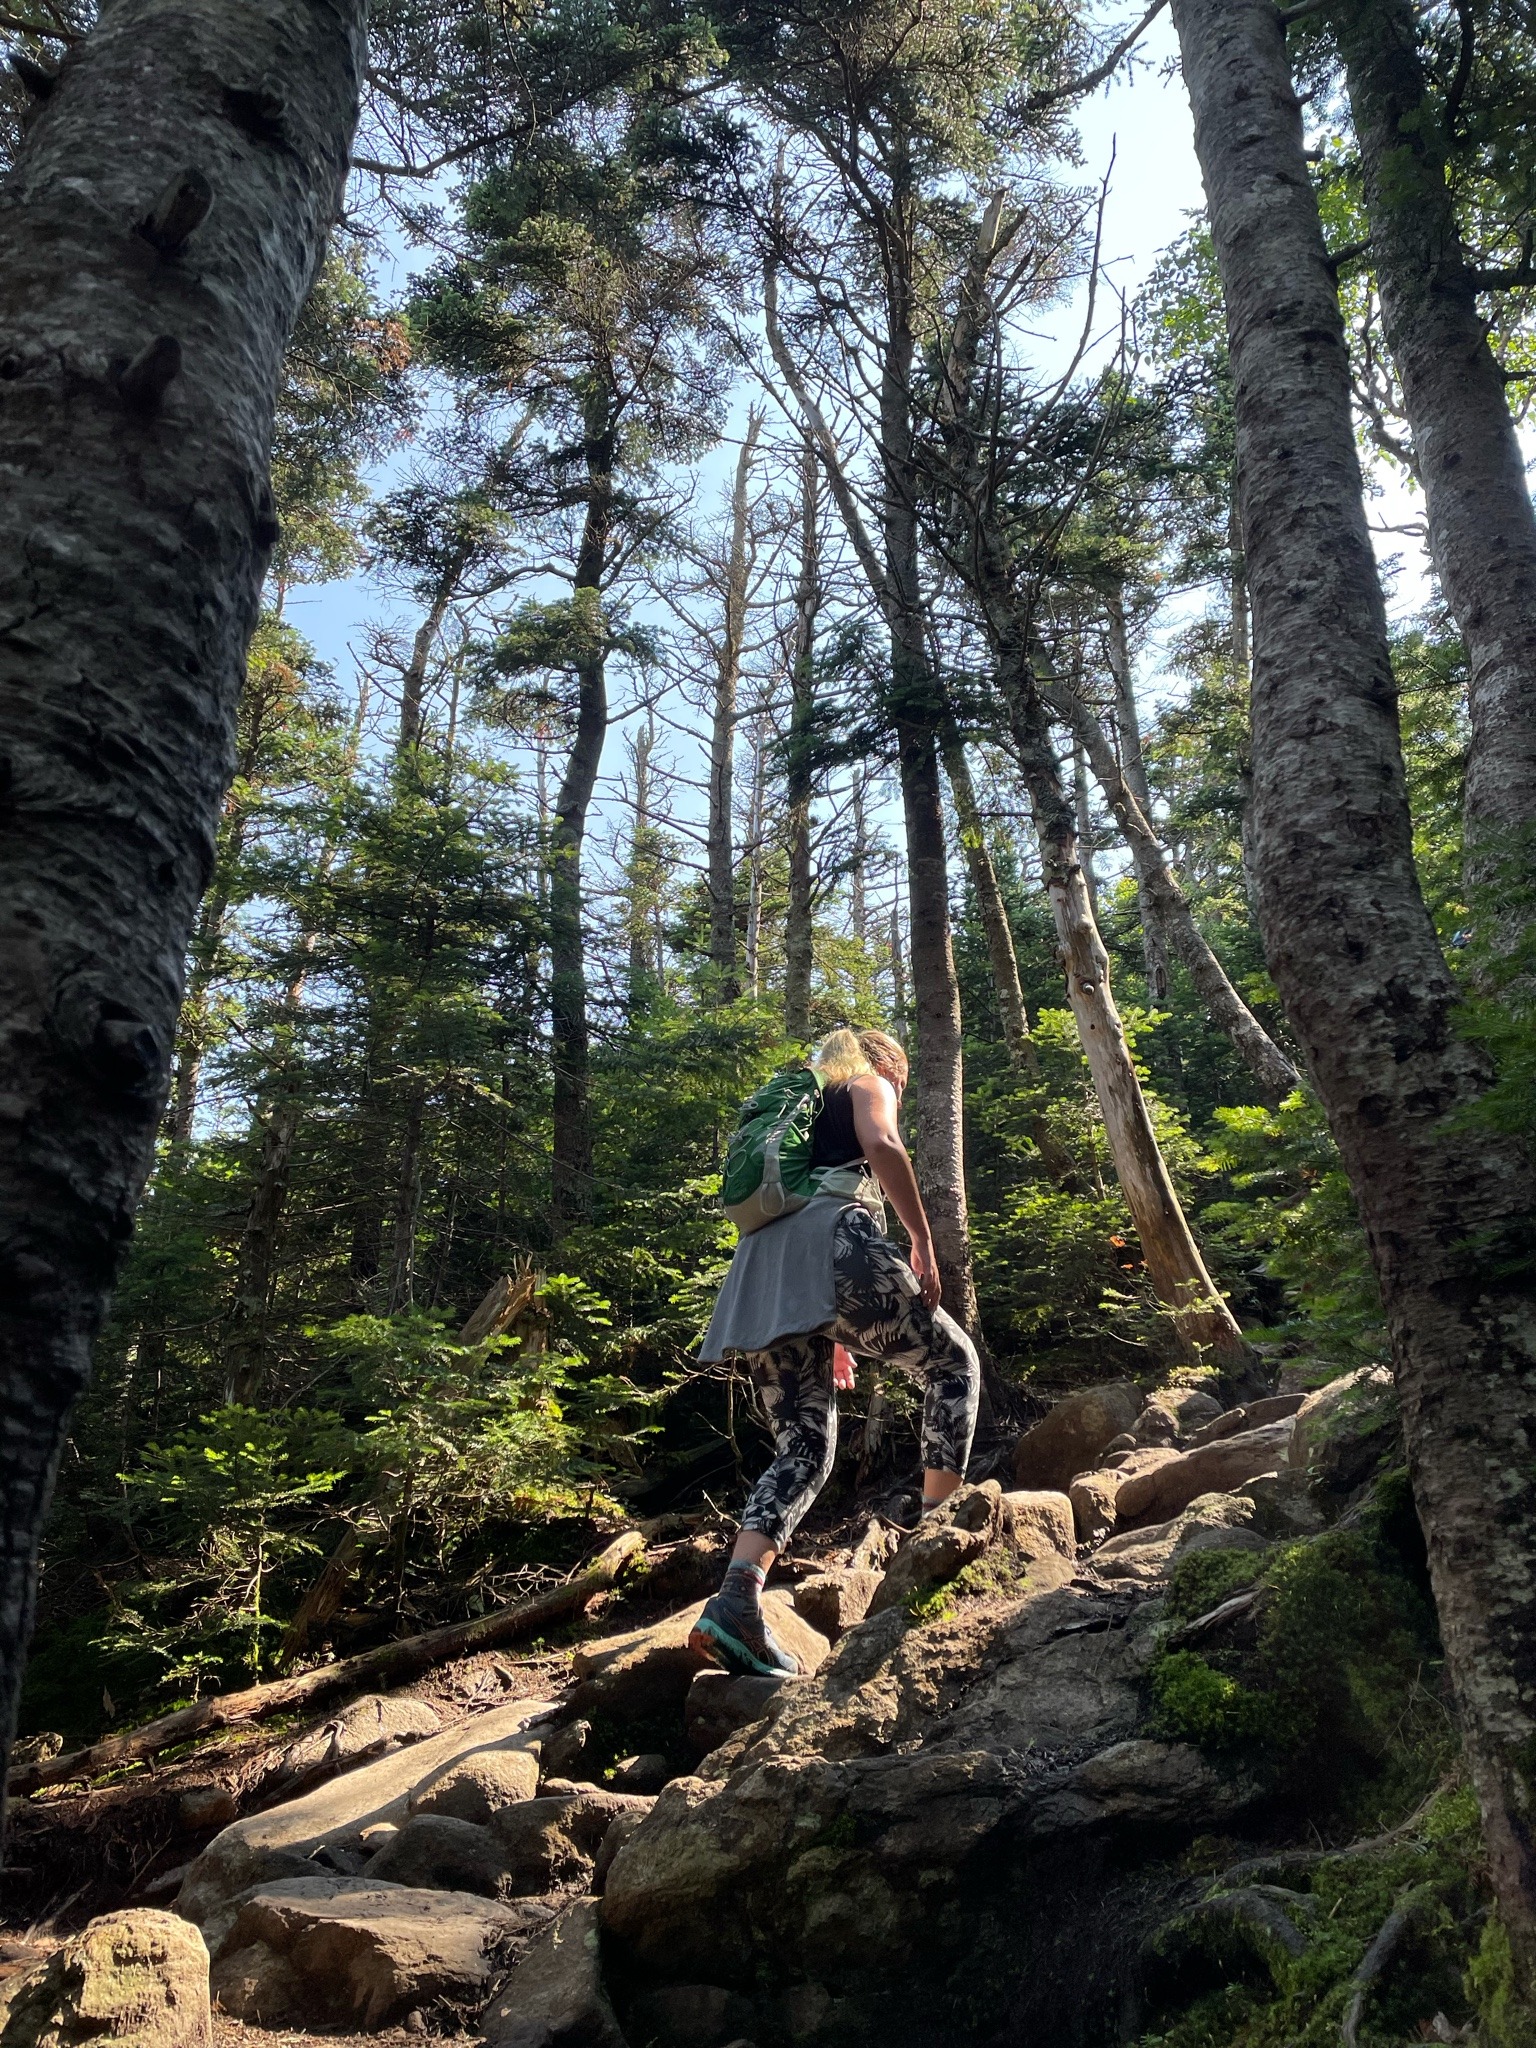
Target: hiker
(800, 1288)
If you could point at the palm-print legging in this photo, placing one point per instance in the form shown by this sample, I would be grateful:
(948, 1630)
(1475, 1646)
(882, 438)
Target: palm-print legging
(881, 1314)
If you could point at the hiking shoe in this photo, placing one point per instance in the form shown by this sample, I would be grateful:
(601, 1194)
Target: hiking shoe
(739, 1642)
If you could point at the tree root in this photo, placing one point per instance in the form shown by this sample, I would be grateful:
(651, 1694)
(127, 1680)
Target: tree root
(1410, 1907)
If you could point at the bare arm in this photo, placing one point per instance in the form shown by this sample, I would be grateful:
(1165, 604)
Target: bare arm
(874, 1124)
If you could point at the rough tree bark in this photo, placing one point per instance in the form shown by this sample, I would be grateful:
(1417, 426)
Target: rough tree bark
(1134, 769)
(1482, 529)
(799, 778)
(571, 1188)
(1205, 1325)
(989, 900)
(720, 847)
(1165, 903)
(140, 346)
(1447, 1211)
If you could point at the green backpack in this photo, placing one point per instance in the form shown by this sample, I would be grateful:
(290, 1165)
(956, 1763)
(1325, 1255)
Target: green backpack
(768, 1160)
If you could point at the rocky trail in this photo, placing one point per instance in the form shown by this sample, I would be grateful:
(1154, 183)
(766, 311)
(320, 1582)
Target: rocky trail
(966, 1819)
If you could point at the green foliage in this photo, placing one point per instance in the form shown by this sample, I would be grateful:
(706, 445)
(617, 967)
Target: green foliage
(1333, 1695)
(1203, 1579)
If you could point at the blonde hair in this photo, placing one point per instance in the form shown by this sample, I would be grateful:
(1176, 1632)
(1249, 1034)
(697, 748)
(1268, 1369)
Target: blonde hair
(846, 1054)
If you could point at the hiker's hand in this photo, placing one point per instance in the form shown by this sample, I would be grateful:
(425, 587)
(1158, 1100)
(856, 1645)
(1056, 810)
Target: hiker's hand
(842, 1369)
(926, 1267)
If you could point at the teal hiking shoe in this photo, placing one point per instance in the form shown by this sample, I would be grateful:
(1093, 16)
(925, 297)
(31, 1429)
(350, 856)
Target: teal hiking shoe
(740, 1642)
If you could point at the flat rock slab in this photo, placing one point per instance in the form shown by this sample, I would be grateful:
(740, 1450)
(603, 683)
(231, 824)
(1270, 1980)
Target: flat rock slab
(1217, 1521)
(363, 1728)
(363, 1958)
(280, 1842)
(649, 1670)
(137, 1977)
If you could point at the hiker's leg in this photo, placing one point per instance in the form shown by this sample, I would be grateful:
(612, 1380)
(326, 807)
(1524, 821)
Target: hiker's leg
(881, 1313)
(794, 1384)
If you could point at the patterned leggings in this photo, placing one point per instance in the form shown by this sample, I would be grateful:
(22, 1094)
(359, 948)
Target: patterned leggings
(879, 1313)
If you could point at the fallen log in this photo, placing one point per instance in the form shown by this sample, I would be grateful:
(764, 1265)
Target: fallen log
(390, 1662)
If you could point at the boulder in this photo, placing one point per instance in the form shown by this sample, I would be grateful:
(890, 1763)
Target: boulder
(684, 1571)
(644, 1773)
(361, 1959)
(1070, 1439)
(1040, 1525)
(1345, 1430)
(206, 1806)
(138, 1977)
(942, 1545)
(718, 1705)
(1188, 1409)
(435, 1852)
(648, 1671)
(692, 2016)
(620, 1828)
(1257, 1413)
(555, 1996)
(474, 1787)
(835, 1600)
(1219, 1467)
(282, 1841)
(1284, 1506)
(1093, 1496)
(561, 1753)
(552, 1842)
(1215, 1521)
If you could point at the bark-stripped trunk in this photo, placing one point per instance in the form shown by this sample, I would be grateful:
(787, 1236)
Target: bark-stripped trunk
(916, 701)
(413, 682)
(1205, 1325)
(898, 968)
(721, 862)
(757, 812)
(407, 1205)
(989, 901)
(798, 775)
(1165, 903)
(572, 1165)
(642, 890)
(1349, 941)
(858, 894)
(137, 382)
(1084, 827)
(1134, 769)
(1482, 530)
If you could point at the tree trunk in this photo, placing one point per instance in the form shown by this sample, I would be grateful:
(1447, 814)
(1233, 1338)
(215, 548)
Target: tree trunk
(413, 683)
(572, 1165)
(642, 880)
(757, 816)
(245, 1337)
(135, 527)
(1349, 941)
(720, 846)
(799, 771)
(1134, 769)
(1482, 530)
(402, 1274)
(1206, 1326)
(1165, 903)
(989, 901)
(898, 969)
(1084, 827)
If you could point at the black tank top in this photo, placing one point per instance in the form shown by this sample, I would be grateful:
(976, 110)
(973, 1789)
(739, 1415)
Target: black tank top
(834, 1142)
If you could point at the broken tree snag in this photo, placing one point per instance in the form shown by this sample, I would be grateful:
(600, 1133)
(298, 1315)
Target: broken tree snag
(178, 213)
(151, 374)
(391, 1663)
(129, 557)
(37, 78)
(1351, 946)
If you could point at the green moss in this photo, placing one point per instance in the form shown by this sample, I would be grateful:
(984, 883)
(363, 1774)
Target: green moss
(1222, 2000)
(1203, 1580)
(937, 1604)
(1505, 2020)
(1196, 1703)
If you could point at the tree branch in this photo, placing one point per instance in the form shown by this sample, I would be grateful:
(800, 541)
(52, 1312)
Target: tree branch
(1096, 77)
(1302, 10)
